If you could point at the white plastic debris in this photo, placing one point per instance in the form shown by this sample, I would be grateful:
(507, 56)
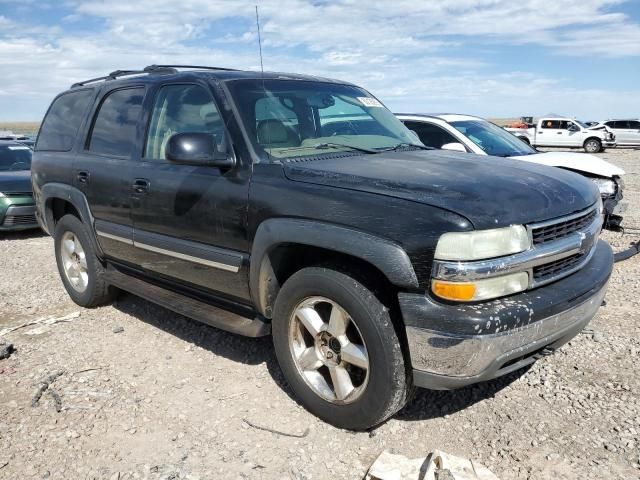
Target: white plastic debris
(437, 465)
(50, 320)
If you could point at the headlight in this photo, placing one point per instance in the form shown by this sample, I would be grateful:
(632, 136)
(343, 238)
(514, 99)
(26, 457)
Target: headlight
(481, 289)
(482, 244)
(605, 185)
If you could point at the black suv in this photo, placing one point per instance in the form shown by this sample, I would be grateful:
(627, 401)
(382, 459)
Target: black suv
(301, 207)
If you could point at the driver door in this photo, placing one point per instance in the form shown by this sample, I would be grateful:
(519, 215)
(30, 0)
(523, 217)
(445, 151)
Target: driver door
(190, 221)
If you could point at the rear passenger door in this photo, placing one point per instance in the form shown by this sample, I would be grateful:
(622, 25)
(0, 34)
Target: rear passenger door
(550, 134)
(103, 169)
(190, 221)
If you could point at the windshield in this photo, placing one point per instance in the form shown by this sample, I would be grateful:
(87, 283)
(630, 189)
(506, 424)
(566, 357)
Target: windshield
(582, 124)
(492, 139)
(15, 157)
(294, 118)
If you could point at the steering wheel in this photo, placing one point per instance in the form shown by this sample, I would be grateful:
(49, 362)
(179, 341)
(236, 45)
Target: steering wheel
(344, 130)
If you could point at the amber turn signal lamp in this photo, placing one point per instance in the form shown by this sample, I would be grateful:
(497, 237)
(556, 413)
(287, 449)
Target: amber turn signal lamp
(454, 290)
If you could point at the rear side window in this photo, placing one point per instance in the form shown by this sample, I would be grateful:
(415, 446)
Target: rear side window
(553, 124)
(114, 127)
(431, 135)
(633, 124)
(60, 126)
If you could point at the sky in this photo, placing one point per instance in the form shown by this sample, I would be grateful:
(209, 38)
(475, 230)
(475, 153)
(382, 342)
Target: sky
(493, 58)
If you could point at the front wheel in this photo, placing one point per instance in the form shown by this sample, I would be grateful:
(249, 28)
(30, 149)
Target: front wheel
(338, 349)
(592, 145)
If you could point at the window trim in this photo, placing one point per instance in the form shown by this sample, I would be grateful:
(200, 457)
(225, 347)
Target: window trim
(81, 124)
(152, 103)
(96, 112)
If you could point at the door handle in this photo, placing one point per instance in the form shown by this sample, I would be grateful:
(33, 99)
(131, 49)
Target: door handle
(140, 185)
(83, 176)
(559, 133)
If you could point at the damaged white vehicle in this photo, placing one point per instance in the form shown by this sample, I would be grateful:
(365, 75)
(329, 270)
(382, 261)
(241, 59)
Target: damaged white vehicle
(560, 132)
(470, 134)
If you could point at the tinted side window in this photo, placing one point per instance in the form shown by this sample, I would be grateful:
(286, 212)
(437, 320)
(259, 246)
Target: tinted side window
(431, 135)
(553, 124)
(60, 126)
(611, 124)
(114, 127)
(634, 124)
(182, 109)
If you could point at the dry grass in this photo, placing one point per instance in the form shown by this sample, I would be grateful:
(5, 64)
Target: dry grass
(23, 128)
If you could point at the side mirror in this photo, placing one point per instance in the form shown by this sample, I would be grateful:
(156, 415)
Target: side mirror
(454, 147)
(196, 149)
(573, 128)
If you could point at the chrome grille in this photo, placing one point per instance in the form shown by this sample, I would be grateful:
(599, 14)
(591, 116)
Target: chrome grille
(555, 231)
(552, 269)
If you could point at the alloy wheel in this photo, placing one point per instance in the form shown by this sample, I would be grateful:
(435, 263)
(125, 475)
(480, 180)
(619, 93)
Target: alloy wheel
(328, 350)
(74, 262)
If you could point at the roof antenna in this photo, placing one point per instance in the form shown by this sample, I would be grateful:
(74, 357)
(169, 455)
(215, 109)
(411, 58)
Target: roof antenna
(259, 41)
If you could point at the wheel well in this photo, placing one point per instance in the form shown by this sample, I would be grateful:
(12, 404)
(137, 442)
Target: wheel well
(58, 208)
(286, 259)
(592, 138)
(525, 140)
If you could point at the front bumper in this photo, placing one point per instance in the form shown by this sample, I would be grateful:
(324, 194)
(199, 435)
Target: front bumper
(18, 215)
(453, 345)
(609, 143)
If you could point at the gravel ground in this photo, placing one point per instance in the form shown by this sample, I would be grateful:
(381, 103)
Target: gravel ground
(145, 393)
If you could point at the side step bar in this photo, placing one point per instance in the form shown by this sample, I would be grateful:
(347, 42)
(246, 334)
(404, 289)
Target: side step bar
(189, 307)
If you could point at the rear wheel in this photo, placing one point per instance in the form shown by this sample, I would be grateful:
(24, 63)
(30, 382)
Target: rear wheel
(338, 349)
(592, 145)
(80, 269)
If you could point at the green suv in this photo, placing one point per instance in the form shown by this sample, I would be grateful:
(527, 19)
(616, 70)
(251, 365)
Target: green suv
(17, 209)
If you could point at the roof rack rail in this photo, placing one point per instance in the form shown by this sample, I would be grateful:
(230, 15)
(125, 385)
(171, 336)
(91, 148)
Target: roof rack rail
(152, 68)
(123, 73)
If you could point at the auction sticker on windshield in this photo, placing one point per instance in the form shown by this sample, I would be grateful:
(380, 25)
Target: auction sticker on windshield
(369, 102)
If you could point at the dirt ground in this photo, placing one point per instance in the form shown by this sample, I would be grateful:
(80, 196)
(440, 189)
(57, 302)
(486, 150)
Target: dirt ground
(146, 393)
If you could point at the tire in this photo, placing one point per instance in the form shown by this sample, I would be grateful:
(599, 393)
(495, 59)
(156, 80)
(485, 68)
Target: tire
(80, 269)
(380, 389)
(592, 145)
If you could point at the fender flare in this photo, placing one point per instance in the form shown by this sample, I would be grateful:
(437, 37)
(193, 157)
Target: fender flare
(387, 256)
(75, 197)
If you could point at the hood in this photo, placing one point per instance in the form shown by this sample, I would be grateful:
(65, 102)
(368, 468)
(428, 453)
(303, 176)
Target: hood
(15, 181)
(490, 193)
(578, 162)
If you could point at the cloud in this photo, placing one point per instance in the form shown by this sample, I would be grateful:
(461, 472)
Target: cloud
(414, 55)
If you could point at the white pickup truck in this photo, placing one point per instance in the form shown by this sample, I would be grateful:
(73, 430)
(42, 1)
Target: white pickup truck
(566, 133)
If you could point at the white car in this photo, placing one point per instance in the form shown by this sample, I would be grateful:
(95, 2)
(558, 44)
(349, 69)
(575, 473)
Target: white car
(561, 132)
(627, 132)
(465, 133)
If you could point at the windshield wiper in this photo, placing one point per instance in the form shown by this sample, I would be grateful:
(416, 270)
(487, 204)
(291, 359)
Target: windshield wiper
(405, 144)
(322, 146)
